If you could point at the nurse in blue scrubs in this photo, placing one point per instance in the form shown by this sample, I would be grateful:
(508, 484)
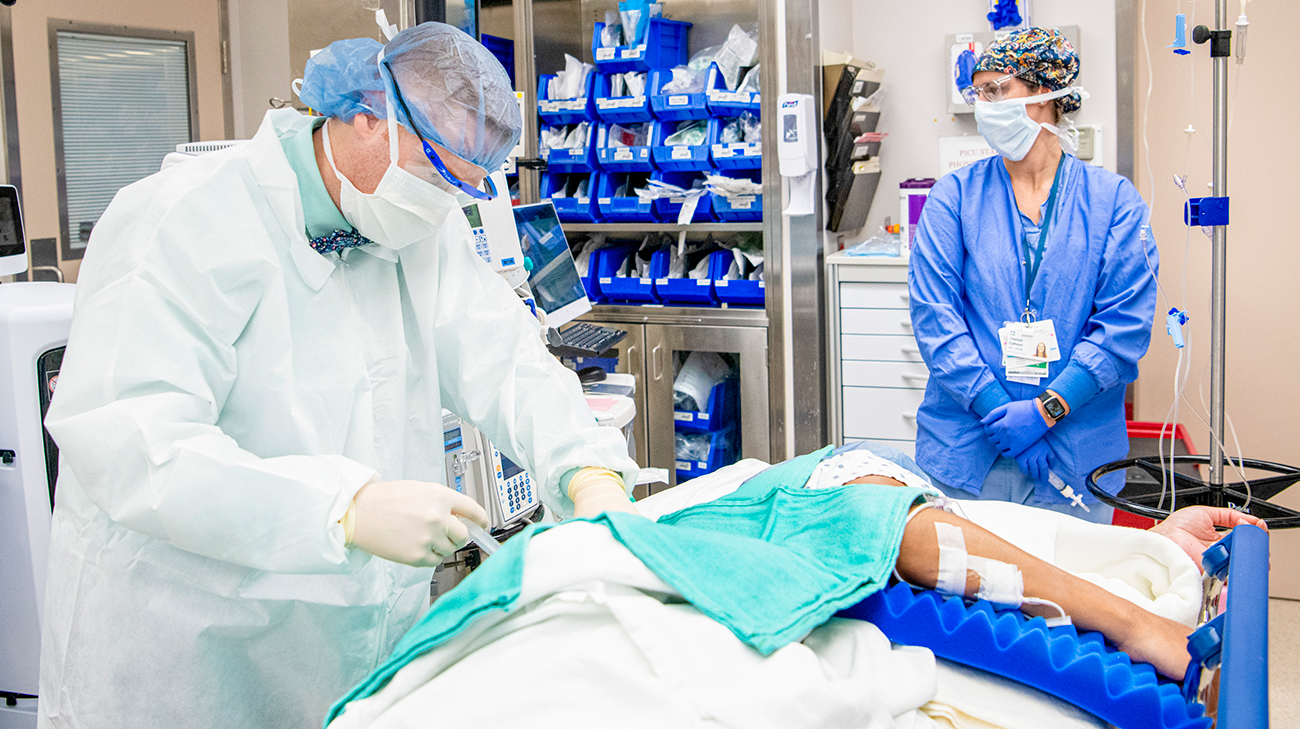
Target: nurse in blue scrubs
(1051, 254)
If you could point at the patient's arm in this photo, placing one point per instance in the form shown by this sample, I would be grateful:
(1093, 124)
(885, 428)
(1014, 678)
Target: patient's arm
(1143, 635)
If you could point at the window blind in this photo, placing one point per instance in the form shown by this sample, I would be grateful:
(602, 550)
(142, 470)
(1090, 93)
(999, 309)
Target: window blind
(125, 104)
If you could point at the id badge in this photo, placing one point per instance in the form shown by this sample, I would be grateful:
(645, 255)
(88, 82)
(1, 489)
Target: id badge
(1035, 341)
(1016, 337)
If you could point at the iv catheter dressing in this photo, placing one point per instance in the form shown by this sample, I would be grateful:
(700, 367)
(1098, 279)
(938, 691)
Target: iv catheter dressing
(480, 537)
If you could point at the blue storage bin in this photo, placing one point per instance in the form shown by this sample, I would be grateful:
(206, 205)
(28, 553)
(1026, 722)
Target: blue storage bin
(565, 111)
(722, 452)
(683, 156)
(503, 49)
(626, 288)
(573, 160)
(723, 102)
(667, 208)
(739, 292)
(673, 107)
(571, 208)
(622, 108)
(628, 208)
(609, 364)
(722, 411)
(736, 155)
(664, 46)
(689, 291)
(590, 282)
(742, 208)
(625, 159)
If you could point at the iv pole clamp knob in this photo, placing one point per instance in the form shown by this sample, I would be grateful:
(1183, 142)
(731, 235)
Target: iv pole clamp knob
(1220, 40)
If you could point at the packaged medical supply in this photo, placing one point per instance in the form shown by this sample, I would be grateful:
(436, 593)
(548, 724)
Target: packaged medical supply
(632, 135)
(690, 134)
(692, 446)
(611, 35)
(881, 244)
(572, 81)
(699, 374)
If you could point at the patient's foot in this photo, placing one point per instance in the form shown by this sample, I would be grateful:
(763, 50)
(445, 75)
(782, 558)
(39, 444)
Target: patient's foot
(1160, 642)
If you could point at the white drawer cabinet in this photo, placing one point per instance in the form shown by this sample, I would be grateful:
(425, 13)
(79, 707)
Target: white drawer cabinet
(863, 295)
(904, 375)
(876, 321)
(877, 377)
(880, 412)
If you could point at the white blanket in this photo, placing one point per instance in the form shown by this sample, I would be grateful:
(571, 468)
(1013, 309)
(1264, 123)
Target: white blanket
(602, 641)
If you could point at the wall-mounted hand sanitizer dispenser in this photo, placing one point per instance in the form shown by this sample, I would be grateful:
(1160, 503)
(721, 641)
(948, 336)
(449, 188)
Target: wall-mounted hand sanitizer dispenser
(797, 149)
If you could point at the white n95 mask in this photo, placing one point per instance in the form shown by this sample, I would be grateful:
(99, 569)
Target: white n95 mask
(1006, 125)
(403, 208)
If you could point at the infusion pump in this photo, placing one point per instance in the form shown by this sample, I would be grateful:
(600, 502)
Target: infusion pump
(477, 469)
(496, 239)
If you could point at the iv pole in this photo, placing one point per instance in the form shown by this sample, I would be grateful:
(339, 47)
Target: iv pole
(1219, 250)
(1251, 496)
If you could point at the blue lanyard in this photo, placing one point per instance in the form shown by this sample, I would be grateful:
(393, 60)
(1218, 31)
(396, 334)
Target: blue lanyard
(1032, 263)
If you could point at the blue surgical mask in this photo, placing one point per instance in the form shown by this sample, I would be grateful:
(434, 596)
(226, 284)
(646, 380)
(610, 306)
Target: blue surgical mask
(1006, 125)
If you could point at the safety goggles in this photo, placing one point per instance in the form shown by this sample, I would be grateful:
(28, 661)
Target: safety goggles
(434, 159)
(989, 90)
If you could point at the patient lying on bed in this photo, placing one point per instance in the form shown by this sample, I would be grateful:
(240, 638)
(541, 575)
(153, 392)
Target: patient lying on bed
(648, 624)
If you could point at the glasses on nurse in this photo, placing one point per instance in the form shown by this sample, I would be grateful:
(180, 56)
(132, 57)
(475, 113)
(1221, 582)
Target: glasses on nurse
(992, 91)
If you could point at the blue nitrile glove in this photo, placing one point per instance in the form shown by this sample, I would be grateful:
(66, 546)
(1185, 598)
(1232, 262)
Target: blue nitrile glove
(1036, 460)
(1015, 426)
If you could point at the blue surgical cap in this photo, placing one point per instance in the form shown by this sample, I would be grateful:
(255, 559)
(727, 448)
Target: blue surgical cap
(458, 95)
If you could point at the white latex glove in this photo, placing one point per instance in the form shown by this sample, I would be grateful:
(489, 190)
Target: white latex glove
(596, 490)
(412, 522)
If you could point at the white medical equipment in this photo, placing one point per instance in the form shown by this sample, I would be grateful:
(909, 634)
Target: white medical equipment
(190, 150)
(477, 469)
(35, 319)
(13, 244)
(797, 150)
(496, 239)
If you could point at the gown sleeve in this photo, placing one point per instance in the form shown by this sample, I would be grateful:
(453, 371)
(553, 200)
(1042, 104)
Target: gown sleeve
(1118, 332)
(494, 371)
(936, 290)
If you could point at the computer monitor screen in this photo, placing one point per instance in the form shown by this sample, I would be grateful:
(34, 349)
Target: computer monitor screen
(13, 246)
(554, 279)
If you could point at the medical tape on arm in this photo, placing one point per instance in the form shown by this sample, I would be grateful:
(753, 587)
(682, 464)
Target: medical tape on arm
(952, 560)
(1000, 583)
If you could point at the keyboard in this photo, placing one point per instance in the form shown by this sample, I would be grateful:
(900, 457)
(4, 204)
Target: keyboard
(585, 340)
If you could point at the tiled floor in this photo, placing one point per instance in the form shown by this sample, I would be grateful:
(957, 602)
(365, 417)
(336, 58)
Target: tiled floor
(1284, 663)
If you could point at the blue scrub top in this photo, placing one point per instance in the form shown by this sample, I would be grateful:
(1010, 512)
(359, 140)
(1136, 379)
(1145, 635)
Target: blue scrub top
(966, 280)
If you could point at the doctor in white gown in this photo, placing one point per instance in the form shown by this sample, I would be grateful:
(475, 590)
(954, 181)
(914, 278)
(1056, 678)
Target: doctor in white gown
(228, 390)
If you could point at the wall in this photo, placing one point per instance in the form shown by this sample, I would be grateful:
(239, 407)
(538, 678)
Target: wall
(907, 40)
(35, 107)
(259, 60)
(1261, 393)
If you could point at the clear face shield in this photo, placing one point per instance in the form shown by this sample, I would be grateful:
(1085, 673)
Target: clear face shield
(432, 155)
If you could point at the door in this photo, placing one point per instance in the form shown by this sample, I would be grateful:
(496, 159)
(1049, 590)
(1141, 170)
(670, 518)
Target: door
(739, 433)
